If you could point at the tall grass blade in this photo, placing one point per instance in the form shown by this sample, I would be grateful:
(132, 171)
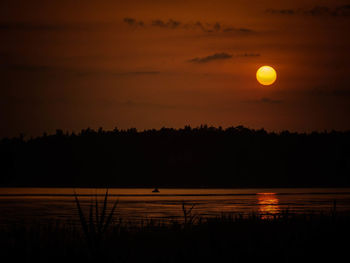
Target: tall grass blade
(190, 210)
(91, 220)
(97, 217)
(81, 216)
(109, 219)
(103, 211)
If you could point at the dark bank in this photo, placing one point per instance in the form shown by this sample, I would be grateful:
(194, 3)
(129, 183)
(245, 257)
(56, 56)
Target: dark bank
(189, 157)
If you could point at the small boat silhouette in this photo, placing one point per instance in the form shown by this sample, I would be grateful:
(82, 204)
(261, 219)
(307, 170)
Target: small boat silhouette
(155, 190)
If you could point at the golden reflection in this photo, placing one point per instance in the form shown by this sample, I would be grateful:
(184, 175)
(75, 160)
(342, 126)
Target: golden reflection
(268, 205)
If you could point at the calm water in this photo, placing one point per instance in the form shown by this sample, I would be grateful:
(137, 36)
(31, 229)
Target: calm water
(22, 205)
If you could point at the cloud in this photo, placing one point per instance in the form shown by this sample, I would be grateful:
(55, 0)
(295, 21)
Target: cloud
(171, 23)
(340, 11)
(175, 24)
(216, 56)
(281, 11)
(133, 22)
(218, 27)
(205, 27)
(223, 55)
(168, 24)
(241, 30)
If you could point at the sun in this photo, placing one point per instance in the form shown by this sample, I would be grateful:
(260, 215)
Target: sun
(266, 75)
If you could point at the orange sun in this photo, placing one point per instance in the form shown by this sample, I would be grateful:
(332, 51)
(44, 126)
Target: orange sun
(266, 75)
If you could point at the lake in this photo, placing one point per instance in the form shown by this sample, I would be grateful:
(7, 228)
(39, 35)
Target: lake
(23, 205)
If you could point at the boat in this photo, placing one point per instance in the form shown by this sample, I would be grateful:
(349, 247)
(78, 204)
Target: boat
(155, 190)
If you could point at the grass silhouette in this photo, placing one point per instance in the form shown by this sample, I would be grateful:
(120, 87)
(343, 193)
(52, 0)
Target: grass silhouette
(189, 218)
(226, 238)
(98, 222)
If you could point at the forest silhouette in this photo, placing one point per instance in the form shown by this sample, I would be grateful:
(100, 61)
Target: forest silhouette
(188, 157)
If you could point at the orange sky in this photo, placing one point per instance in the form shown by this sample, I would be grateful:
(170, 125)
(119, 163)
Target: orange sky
(147, 64)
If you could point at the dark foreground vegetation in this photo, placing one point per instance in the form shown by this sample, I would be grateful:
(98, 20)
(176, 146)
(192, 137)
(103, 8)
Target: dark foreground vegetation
(284, 238)
(189, 157)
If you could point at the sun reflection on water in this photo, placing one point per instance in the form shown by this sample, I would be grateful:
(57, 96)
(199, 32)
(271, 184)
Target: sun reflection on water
(268, 205)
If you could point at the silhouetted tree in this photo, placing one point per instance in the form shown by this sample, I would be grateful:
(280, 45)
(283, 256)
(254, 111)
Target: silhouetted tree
(205, 156)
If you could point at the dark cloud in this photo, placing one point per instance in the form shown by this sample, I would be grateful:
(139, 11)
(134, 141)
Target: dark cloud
(237, 30)
(166, 24)
(223, 55)
(217, 26)
(156, 23)
(281, 11)
(319, 11)
(200, 26)
(159, 23)
(175, 24)
(216, 56)
(340, 11)
(206, 27)
(133, 22)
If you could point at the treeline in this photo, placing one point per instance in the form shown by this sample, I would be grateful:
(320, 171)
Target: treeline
(188, 157)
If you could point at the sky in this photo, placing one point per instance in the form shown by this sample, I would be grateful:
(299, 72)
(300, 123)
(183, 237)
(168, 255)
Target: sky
(149, 64)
